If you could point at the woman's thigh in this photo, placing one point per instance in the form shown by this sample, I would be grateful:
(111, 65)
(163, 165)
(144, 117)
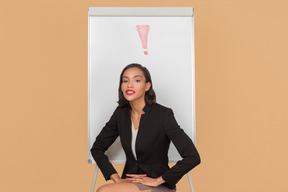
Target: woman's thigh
(120, 187)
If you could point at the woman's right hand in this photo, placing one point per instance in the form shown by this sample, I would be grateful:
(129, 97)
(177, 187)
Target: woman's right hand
(123, 181)
(117, 179)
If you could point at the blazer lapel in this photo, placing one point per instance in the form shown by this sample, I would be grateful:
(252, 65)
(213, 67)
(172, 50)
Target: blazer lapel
(127, 133)
(127, 136)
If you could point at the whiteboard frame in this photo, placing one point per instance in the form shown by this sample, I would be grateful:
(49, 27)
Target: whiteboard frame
(142, 12)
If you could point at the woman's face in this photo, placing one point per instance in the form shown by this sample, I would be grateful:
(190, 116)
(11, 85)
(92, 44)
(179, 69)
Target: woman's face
(134, 85)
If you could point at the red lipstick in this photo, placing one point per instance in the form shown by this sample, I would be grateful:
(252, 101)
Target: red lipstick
(130, 92)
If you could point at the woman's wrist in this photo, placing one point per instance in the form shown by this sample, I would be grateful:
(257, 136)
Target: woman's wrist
(160, 180)
(115, 177)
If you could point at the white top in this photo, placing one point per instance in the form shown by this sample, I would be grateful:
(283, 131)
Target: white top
(134, 135)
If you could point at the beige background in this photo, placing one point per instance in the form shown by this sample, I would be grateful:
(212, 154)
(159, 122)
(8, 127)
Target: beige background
(241, 94)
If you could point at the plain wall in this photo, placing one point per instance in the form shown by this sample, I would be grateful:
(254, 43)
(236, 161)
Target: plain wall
(241, 94)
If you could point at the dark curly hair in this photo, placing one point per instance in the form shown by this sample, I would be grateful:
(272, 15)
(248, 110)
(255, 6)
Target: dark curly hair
(150, 96)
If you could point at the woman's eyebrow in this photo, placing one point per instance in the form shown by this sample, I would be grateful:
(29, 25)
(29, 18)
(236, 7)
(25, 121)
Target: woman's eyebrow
(133, 77)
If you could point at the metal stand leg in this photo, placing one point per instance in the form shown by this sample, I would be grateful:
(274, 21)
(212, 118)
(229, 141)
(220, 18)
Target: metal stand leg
(94, 179)
(190, 182)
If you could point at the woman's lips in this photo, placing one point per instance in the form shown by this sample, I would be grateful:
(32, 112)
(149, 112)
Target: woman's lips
(130, 92)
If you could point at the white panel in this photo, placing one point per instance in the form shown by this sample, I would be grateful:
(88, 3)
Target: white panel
(114, 43)
(141, 11)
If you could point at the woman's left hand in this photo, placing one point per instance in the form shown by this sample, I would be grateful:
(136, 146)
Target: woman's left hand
(143, 179)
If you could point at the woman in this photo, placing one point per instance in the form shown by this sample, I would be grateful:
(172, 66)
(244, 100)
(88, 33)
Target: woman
(138, 114)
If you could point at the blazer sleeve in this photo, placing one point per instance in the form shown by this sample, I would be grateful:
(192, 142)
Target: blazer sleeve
(184, 146)
(103, 141)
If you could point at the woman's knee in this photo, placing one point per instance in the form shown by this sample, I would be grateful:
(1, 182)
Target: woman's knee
(104, 188)
(119, 187)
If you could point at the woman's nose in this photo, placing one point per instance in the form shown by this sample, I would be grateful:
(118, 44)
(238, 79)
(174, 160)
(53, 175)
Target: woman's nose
(130, 84)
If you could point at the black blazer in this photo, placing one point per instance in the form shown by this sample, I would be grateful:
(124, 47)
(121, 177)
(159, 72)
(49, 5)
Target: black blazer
(157, 128)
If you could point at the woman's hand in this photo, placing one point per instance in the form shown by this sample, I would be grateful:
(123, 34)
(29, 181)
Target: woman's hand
(143, 179)
(117, 179)
(123, 181)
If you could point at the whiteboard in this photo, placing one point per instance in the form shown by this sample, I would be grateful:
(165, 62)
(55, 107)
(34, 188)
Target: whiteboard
(118, 36)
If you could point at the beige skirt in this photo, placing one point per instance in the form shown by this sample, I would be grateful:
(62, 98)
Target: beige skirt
(159, 188)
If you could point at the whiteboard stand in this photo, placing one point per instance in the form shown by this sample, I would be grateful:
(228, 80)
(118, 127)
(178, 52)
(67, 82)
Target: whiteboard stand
(190, 182)
(171, 40)
(94, 179)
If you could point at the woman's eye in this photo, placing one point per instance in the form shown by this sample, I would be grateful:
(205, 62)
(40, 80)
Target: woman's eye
(137, 81)
(125, 81)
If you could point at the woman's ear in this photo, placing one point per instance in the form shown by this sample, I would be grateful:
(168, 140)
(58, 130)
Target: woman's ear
(147, 86)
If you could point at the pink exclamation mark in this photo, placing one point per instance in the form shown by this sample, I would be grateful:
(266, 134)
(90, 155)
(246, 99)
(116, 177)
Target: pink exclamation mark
(143, 33)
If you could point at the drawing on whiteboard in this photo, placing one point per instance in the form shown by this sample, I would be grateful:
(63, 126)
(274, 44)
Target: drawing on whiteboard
(143, 33)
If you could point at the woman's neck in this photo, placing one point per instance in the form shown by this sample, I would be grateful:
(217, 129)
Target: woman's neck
(137, 108)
